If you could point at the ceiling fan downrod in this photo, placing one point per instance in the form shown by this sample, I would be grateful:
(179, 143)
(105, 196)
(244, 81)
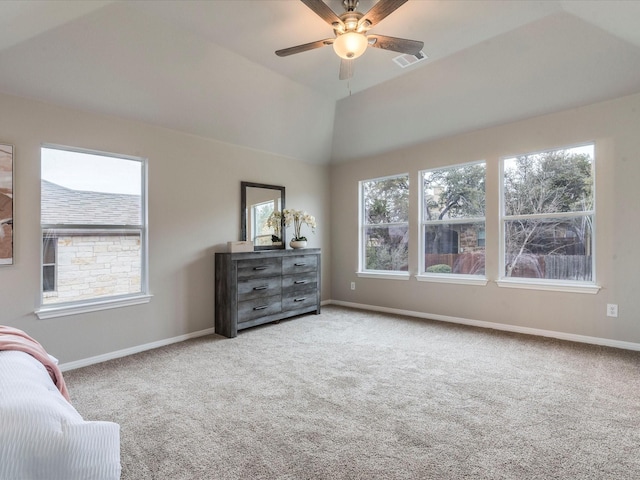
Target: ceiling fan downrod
(350, 5)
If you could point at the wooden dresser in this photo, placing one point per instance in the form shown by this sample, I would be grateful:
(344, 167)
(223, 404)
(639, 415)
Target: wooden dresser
(253, 288)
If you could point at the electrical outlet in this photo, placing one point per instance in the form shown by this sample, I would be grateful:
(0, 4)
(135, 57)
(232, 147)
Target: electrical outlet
(353, 285)
(612, 310)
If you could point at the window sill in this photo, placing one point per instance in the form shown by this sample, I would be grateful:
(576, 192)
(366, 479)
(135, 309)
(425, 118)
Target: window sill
(569, 287)
(53, 311)
(384, 275)
(455, 279)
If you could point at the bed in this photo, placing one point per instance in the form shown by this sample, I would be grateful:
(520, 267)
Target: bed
(42, 436)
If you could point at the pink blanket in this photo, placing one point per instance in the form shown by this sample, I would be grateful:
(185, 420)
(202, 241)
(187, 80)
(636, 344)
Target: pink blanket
(14, 339)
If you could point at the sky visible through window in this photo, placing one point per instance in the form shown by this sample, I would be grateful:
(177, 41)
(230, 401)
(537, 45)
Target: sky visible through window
(510, 163)
(91, 172)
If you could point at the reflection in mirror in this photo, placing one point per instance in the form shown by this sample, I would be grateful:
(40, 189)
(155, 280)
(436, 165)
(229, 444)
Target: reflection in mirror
(262, 221)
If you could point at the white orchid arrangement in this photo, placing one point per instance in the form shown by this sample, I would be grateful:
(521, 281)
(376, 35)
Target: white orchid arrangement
(297, 218)
(275, 223)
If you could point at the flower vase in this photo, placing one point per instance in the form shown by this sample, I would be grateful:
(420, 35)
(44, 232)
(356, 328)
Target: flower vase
(298, 243)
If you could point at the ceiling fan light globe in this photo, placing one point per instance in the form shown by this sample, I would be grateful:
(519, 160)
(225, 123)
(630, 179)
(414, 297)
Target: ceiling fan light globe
(350, 45)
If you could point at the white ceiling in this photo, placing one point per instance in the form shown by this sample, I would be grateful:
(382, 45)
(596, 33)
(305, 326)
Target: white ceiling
(209, 68)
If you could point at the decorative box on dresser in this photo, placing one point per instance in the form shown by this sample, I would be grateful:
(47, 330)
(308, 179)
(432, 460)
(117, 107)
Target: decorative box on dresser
(253, 288)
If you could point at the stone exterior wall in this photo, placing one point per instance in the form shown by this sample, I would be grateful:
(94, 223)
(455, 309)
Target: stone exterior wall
(96, 266)
(468, 240)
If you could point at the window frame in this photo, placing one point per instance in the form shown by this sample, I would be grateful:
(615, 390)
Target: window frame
(455, 278)
(571, 286)
(54, 310)
(362, 271)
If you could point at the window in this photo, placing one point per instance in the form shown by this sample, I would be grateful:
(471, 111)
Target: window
(93, 220)
(384, 224)
(548, 216)
(481, 237)
(453, 220)
(49, 264)
(262, 229)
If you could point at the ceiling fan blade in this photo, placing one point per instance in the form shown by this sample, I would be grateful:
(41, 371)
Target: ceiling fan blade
(381, 10)
(303, 48)
(402, 45)
(346, 69)
(323, 11)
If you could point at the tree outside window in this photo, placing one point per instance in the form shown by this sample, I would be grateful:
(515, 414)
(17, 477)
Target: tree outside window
(261, 228)
(385, 224)
(548, 215)
(453, 219)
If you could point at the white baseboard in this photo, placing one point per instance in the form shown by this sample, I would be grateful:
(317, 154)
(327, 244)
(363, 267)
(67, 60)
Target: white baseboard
(606, 342)
(130, 351)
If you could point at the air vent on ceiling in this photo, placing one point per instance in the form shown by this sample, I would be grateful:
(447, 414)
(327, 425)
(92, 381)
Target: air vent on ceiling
(407, 60)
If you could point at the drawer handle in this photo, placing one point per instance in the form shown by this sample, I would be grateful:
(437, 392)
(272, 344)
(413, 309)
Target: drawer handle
(300, 282)
(263, 287)
(300, 264)
(259, 268)
(301, 299)
(261, 307)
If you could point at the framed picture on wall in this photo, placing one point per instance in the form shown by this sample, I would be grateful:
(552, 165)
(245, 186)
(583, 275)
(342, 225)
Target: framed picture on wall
(6, 204)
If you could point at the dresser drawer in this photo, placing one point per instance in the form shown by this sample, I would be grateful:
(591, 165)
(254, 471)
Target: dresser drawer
(299, 264)
(258, 288)
(259, 307)
(267, 267)
(300, 300)
(300, 281)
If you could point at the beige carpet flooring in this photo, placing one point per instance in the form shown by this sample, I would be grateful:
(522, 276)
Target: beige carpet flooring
(358, 395)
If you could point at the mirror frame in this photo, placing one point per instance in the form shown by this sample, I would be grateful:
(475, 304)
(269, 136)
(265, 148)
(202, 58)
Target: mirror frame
(243, 213)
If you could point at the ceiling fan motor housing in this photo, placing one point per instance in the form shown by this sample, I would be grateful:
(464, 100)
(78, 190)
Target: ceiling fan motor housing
(350, 5)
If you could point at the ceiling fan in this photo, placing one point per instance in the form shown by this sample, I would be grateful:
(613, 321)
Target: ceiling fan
(351, 33)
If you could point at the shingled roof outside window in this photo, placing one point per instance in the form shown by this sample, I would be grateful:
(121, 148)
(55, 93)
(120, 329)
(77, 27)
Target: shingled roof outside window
(64, 206)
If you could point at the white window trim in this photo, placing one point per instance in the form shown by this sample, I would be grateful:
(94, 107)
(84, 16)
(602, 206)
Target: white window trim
(97, 304)
(55, 311)
(458, 279)
(543, 284)
(454, 278)
(551, 286)
(383, 274)
(362, 271)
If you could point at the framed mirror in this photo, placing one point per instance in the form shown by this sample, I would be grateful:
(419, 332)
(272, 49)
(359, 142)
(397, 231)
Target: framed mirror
(260, 212)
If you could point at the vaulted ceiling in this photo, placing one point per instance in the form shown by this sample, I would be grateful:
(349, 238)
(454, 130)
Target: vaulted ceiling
(208, 67)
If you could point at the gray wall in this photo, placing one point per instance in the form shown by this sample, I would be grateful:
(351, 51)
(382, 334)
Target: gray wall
(194, 203)
(614, 126)
(194, 209)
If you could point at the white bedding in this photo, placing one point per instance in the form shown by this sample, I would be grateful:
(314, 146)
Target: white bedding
(42, 437)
